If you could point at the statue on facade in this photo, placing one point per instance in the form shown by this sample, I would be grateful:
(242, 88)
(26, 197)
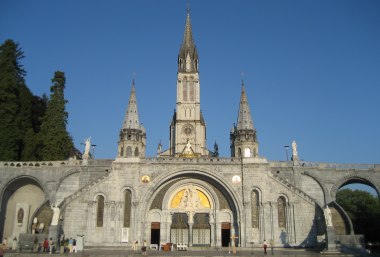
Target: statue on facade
(56, 213)
(87, 146)
(294, 148)
(328, 216)
(187, 148)
(20, 216)
(159, 148)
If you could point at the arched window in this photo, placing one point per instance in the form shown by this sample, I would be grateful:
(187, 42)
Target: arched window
(127, 208)
(239, 152)
(136, 152)
(121, 151)
(281, 208)
(191, 90)
(255, 208)
(129, 151)
(99, 210)
(185, 89)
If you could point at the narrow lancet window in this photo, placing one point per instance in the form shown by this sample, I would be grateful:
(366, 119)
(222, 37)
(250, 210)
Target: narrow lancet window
(281, 207)
(127, 208)
(99, 210)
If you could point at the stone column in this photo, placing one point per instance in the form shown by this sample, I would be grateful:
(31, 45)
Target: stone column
(212, 227)
(191, 222)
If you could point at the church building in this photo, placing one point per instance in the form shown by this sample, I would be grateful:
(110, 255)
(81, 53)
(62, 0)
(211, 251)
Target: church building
(187, 195)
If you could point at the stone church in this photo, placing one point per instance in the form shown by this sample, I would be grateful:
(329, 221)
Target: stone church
(187, 194)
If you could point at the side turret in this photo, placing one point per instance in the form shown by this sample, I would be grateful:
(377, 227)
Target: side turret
(132, 138)
(243, 137)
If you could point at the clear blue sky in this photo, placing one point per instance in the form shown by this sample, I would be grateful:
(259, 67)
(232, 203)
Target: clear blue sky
(311, 69)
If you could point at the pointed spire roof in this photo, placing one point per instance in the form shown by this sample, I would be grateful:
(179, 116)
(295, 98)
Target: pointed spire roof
(131, 120)
(188, 36)
(188, 45)
(244, 121)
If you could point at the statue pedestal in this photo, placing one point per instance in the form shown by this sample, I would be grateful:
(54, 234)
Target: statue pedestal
(331, 246)
(54, 232)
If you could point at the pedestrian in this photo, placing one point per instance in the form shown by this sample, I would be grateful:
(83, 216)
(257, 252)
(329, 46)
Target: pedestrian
(51, 244)
(46, 245)
(35, 244)
(265, 245)
(74, 245)
(5, 243)
(14, 244)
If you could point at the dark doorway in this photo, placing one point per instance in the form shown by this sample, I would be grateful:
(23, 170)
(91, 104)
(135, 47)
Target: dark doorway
(155, 233)
(226, 234)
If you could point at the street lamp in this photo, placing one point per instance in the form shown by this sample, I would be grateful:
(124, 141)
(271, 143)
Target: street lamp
(93, 151)
(286, 151)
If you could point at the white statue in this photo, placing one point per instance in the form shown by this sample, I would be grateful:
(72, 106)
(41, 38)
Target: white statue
(56, 213)
(187, 148)
(190, 198)
(87, 146)
(328, 218)
(294, 148)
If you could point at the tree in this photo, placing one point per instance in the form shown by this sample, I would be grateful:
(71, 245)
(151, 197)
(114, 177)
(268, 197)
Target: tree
(363, 209)
(11, 80)
(56, 141)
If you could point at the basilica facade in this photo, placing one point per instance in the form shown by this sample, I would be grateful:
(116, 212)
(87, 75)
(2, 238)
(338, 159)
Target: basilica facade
(187, 194)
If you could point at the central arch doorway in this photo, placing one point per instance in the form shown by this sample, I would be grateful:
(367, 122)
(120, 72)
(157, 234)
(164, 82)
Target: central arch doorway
(191, 211)
(191, 208)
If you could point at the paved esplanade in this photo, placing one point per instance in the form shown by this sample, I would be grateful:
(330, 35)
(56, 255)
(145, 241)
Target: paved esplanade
(123, 252)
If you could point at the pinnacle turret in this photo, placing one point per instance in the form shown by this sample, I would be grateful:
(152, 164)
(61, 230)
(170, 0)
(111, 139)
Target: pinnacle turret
(244, 119)
(243, 135)
(132, 139)
(131, 120)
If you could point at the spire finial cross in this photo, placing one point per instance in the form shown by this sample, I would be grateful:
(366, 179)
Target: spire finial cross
(188, 6)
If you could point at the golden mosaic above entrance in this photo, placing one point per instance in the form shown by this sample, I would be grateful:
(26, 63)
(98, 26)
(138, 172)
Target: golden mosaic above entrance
(190, 198)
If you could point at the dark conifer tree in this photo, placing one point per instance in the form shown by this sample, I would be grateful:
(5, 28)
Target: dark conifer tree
(56, 141)
(11, 80)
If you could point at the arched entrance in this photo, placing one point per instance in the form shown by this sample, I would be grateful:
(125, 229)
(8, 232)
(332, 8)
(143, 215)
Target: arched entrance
(195, 211)
(191, 210)
(21, 199)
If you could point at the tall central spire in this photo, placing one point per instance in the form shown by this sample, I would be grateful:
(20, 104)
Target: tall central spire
(188, 54)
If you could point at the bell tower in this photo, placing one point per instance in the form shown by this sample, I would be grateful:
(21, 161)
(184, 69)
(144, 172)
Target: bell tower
(188, 128)
(243, 136)
(132, 137)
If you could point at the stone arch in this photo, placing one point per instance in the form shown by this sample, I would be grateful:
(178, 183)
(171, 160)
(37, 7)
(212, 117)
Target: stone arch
(127, 210)
(282, 203)
(203, 177)
(352, 178)
(128, 151)
(100, 203)
(20, 192)
(136, 151)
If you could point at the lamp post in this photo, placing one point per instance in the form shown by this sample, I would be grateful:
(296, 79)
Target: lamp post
(286, 151)
(93, 151)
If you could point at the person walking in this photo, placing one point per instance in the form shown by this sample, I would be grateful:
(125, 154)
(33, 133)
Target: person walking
(265, 246)
(46, 246)
(35, 244)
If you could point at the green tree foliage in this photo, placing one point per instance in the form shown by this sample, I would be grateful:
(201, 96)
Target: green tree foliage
(12, 97)
(364, 211)
(20, 111)
(56, 141)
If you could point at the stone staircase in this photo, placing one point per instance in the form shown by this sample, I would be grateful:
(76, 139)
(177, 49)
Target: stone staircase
(291, 187)
(83, 190)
